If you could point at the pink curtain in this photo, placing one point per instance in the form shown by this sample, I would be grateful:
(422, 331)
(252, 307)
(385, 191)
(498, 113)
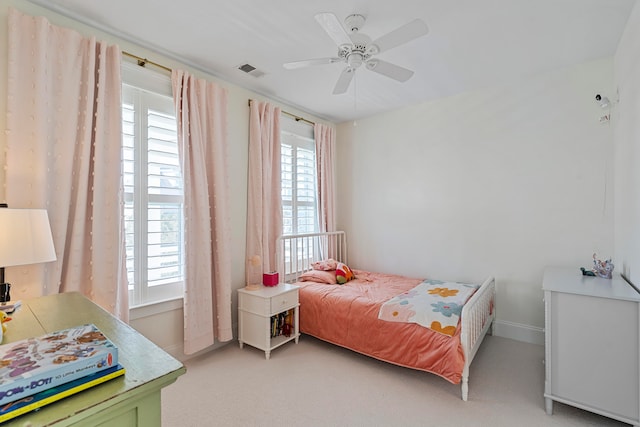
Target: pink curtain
(201, 109)
(325, 137)
(63, 154)
(264, 216)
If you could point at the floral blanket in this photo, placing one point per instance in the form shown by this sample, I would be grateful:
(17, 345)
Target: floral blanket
(433, 304)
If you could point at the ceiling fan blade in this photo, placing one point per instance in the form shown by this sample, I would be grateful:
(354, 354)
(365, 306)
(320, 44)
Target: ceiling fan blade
(309, 62)
(344, 81)
(402, 35)
(390, 70)
(332, 26)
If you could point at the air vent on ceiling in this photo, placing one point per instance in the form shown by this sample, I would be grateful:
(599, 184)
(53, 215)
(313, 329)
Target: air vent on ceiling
(251, 70)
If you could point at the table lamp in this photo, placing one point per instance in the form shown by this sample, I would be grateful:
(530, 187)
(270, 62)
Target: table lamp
(25, 238)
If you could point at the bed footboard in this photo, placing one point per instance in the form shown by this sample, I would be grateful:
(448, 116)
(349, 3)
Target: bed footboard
(476, 319)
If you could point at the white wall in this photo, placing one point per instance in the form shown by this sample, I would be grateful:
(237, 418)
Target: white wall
(627, 150)
(502, 181)
(164, 328)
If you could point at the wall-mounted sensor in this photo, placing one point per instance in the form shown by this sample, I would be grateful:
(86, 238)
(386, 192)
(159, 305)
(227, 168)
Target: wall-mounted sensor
(602, 101)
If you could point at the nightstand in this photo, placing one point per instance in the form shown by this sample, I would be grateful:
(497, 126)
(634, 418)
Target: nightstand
(268, 317)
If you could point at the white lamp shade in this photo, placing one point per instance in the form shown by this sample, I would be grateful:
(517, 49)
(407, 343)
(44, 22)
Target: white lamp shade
(25, 237)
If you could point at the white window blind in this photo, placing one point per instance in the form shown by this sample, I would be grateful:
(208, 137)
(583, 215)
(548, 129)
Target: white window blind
(299, 187)
(153, 189)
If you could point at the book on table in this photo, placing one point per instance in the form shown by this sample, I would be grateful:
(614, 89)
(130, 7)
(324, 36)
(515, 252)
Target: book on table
(53, 394)
(35, 364)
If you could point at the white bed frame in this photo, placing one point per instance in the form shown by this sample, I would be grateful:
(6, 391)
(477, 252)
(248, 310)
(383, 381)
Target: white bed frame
(297, 252)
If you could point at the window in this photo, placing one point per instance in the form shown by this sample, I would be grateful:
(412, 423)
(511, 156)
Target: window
(299, 190)
(299, 187)
(153, 188)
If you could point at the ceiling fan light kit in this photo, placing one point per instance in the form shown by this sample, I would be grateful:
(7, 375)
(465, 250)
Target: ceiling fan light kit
(356, 48)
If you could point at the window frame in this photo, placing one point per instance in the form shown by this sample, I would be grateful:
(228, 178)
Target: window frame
(147, 90)
(300, 137)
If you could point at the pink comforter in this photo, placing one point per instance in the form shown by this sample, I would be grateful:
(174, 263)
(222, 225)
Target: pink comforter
(347, 315)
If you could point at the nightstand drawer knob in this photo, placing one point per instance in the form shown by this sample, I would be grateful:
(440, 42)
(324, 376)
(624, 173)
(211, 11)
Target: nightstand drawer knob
(283, 301)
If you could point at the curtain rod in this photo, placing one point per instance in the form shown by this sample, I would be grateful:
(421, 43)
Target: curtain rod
(144, 61)
(296, 118)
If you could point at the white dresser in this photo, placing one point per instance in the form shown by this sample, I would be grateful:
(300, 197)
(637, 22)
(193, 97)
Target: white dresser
(592, 344)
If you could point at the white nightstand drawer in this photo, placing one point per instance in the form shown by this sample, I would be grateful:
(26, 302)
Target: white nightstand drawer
(254, 304)
(284, 301)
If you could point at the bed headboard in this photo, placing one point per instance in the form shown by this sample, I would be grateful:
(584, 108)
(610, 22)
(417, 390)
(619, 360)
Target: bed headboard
(297, 252)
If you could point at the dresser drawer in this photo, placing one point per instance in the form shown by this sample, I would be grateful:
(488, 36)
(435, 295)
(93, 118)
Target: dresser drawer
(284, 301)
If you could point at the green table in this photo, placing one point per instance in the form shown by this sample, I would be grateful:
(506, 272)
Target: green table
(131, 400)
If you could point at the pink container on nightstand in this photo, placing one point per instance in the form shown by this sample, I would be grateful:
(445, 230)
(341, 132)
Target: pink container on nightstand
(270, 279)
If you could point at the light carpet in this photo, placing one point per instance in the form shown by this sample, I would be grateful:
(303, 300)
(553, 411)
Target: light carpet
(313, 383)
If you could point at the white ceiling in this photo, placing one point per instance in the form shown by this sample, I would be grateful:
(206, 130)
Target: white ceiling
(471, 43)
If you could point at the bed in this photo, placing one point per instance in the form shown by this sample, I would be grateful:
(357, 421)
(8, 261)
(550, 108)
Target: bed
(348, 315)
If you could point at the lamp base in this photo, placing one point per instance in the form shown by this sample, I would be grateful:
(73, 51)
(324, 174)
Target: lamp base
(253, 287)
(10, 306)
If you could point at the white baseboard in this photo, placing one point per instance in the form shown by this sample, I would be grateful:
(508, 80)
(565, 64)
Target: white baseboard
(518, 332)
(177, 350)
(501, 328)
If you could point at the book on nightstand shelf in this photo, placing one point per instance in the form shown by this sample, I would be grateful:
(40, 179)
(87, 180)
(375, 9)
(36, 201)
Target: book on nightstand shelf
(35, 364)
(53, 394)
(282, 323)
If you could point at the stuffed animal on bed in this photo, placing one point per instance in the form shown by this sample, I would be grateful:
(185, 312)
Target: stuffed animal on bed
(343, 273)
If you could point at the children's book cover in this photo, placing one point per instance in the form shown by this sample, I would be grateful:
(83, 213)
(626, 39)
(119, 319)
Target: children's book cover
(35, 364)
(27, 404)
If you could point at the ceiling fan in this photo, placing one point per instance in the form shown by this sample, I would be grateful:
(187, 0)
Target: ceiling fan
(356, 48)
